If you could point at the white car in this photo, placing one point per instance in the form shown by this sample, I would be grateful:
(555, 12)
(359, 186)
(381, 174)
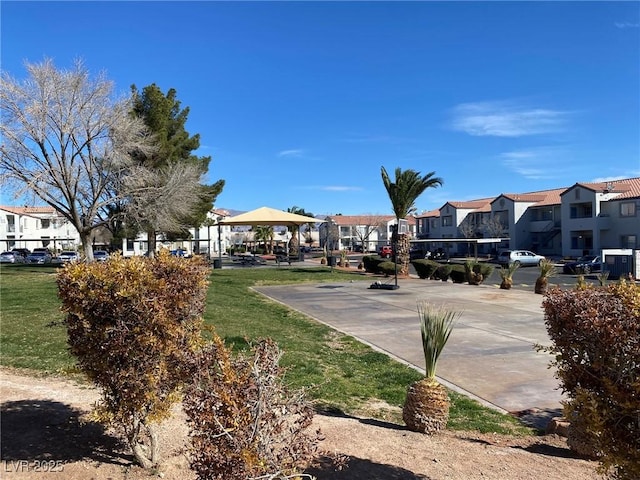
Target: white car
(519, 257)
(69, 256)
(11, 257)
(100, 256)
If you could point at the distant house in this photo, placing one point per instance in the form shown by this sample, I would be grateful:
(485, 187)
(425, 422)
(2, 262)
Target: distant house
(362, 232)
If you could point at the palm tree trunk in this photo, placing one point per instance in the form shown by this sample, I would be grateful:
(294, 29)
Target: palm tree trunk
(402, 255)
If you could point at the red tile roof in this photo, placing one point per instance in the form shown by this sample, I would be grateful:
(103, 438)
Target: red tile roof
(627, 188)
(29, 210)
(538, 199)
(430, 213)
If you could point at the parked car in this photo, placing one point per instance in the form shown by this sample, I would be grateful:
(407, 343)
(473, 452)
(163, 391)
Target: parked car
(585, 265)
(519, 257)
(386, 251)
(23, 252)
(100, 255)
(11, 257)
(68, 256)
(39, 256)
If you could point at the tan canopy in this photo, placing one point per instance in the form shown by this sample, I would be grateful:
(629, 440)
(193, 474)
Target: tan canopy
(269, 216)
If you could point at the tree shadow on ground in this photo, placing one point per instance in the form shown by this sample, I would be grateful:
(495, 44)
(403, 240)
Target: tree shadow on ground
(326, 468)
(37, 429)
(330, 411)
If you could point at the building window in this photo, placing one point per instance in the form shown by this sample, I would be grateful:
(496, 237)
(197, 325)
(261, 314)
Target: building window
(628, 241)
(577, 194)
(447, 221)
(628, 209)
(45, 223)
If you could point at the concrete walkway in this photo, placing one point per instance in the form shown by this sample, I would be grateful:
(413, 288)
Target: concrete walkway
(490, 355)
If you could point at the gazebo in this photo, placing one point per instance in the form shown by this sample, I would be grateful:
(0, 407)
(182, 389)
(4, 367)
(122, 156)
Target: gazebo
(271, 216)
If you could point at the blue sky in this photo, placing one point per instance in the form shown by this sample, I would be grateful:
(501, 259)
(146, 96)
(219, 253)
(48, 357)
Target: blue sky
(301, 103)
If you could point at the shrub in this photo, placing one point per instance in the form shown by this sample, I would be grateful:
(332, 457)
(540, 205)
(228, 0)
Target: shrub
(595, 334)
(371, 263)
(458, 274)
(130, 323)
(424, 268)
(387, 268)
(243, 421)
(442, 272)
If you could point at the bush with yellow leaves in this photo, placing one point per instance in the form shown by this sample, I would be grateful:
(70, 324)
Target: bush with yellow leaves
(131, 323)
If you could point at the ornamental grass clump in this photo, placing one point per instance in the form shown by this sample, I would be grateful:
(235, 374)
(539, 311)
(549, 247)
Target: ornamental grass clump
(426, 408)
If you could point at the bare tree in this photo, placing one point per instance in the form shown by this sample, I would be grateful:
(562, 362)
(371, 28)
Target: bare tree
(67, 140)
(368, 225)
(468, 229)
(493, 226)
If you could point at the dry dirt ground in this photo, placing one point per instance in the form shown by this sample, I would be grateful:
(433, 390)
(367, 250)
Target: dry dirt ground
(43, 436)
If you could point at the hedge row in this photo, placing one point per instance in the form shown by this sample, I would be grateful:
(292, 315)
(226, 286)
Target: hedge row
(428, 269)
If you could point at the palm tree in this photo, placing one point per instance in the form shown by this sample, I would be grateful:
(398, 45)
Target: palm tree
(403, 193)
(294, 229)
(264, 233)
(426, 408)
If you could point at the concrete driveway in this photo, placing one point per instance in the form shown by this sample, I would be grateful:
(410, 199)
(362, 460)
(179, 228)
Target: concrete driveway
(490, 355)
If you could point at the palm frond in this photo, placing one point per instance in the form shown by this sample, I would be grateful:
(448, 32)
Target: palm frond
(408, 186)
(547, 269)
(508, 271)
(436, 325)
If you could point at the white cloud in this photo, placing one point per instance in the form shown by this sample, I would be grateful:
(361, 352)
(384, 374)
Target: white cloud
(296, 153)
(506, 119)
(623, 25)
(608, 179)
(537, 163)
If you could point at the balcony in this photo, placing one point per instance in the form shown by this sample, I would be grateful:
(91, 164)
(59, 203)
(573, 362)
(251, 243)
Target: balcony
(541, 226)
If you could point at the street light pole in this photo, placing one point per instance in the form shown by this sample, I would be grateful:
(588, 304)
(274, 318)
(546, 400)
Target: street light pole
(220, 242)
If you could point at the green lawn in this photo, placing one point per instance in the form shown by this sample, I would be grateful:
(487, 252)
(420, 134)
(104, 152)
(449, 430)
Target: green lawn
(340, 373)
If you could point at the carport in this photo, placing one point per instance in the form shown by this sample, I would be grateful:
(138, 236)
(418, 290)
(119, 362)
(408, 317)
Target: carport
(474, 241)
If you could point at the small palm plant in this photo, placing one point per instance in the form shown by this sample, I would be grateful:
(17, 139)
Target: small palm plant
(344, 259)
(506, 274)
(426, 408)
(547, 270)
(602, 277)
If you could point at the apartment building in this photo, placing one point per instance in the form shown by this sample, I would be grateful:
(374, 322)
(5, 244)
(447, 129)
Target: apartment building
(210, 239)
(36, 227)
(568, 222)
